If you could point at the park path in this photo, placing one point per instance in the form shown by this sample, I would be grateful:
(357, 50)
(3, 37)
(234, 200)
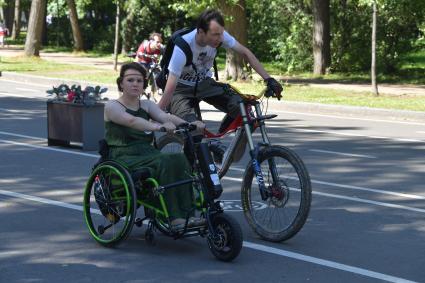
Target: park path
(104, 63)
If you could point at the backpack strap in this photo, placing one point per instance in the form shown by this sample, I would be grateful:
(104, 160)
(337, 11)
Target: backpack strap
(184, 46)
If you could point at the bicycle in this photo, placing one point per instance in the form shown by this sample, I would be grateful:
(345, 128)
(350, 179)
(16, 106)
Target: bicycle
(153, 70)
(113, 194)
(279, 172)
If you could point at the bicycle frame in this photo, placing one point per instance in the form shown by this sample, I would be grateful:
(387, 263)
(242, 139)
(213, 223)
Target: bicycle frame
(242, 125)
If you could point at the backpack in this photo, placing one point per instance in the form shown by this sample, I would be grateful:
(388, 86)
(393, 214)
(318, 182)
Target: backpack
(177, 39)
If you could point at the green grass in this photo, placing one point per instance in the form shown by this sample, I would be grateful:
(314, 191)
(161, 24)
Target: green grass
(37, 66)
(341, 97)
(292, 92)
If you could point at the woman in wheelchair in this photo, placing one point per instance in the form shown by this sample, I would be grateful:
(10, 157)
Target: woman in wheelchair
(129, 126)
(133, 173)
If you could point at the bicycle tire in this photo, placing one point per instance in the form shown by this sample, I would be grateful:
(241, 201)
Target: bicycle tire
(228, 242)
(295, 181)
(109, 204)
(170, 143)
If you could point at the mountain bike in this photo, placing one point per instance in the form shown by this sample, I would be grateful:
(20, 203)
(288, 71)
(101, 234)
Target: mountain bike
(113, 194)
(276, 186)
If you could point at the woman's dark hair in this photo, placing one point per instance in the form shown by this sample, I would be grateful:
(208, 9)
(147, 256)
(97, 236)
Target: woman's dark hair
(132, 66)
(207, 16)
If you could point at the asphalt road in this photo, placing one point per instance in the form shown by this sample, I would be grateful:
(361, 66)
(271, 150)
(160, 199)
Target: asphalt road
(367, 221)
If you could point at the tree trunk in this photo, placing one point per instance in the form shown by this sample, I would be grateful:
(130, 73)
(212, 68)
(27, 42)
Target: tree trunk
(76, 33)
(35, 28)
(128, 32)
(237, 27)
(373, 64)
(117, 35)
(321, 36)
(17, 20)
(8, 13)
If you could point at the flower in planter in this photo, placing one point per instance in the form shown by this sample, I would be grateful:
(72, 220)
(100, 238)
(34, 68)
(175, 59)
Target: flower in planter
(74, 94)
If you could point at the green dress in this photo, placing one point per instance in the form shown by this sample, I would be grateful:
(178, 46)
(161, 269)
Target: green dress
(134, 149)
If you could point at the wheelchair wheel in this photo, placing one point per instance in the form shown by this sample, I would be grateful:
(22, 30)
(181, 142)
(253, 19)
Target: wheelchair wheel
(226, 243)
(109, 203)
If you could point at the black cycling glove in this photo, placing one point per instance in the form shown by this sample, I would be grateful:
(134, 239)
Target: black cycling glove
(275, 87)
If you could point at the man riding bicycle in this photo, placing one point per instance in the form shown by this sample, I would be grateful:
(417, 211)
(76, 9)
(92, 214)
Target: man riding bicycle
(179, 94)
(150, 50)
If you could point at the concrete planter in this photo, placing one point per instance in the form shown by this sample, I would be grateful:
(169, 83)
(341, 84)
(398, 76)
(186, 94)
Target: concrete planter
(78, 123)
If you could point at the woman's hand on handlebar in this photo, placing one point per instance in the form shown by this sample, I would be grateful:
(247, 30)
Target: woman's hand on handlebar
(200, 126)
(167, 127)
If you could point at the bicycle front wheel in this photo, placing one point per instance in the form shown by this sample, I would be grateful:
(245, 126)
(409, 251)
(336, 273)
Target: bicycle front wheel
(281, 211)
(170, 144)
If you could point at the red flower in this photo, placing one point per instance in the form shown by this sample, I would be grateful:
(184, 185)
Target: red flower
(71, 96)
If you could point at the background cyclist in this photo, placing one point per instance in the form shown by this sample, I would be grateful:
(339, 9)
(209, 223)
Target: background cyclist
(151, 47)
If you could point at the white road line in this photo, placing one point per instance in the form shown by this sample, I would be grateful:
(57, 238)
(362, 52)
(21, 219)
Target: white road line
(25, 83)
(342, 153)
(412, 196)
(28, 89)
(328, 263)
(246, 244)
(356, 135)
(355, 199)
(49, 148)
(21, 136)
(240, 180)
(24, 95)
(346, 118)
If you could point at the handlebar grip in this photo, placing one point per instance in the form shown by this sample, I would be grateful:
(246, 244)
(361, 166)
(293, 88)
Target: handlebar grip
(191, 127)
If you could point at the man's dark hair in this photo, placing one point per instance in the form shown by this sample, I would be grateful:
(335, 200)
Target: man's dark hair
(207, 16)
(152, 35)
(132, 66)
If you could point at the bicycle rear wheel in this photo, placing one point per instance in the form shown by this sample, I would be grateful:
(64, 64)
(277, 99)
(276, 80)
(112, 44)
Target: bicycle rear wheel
(283, 209)
(109, 203)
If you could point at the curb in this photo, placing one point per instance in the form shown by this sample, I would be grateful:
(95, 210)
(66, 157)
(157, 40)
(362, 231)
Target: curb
(290, 106)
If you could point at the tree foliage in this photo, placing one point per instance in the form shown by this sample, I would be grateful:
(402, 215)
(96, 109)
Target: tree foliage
(279, 31)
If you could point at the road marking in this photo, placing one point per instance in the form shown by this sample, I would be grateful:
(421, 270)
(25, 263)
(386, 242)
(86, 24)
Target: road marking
(28, 89)
(346, 118)
(21, 136)
(246, 244)
(26, 83)
(240, 180)
(356, 135)
(342, 153)
(23, 95)
(355, 199)
(327, 263)
(412, 196)
(49, 148)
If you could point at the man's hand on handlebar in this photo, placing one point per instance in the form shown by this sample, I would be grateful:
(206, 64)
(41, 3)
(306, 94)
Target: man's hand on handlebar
(275, 87)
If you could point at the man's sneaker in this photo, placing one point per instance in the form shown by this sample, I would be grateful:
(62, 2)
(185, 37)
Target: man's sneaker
(217, 149)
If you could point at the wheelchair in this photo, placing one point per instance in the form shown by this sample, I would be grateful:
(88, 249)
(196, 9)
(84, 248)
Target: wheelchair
(113, 194)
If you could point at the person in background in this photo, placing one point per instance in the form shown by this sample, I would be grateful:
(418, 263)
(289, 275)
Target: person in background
(148, 49)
